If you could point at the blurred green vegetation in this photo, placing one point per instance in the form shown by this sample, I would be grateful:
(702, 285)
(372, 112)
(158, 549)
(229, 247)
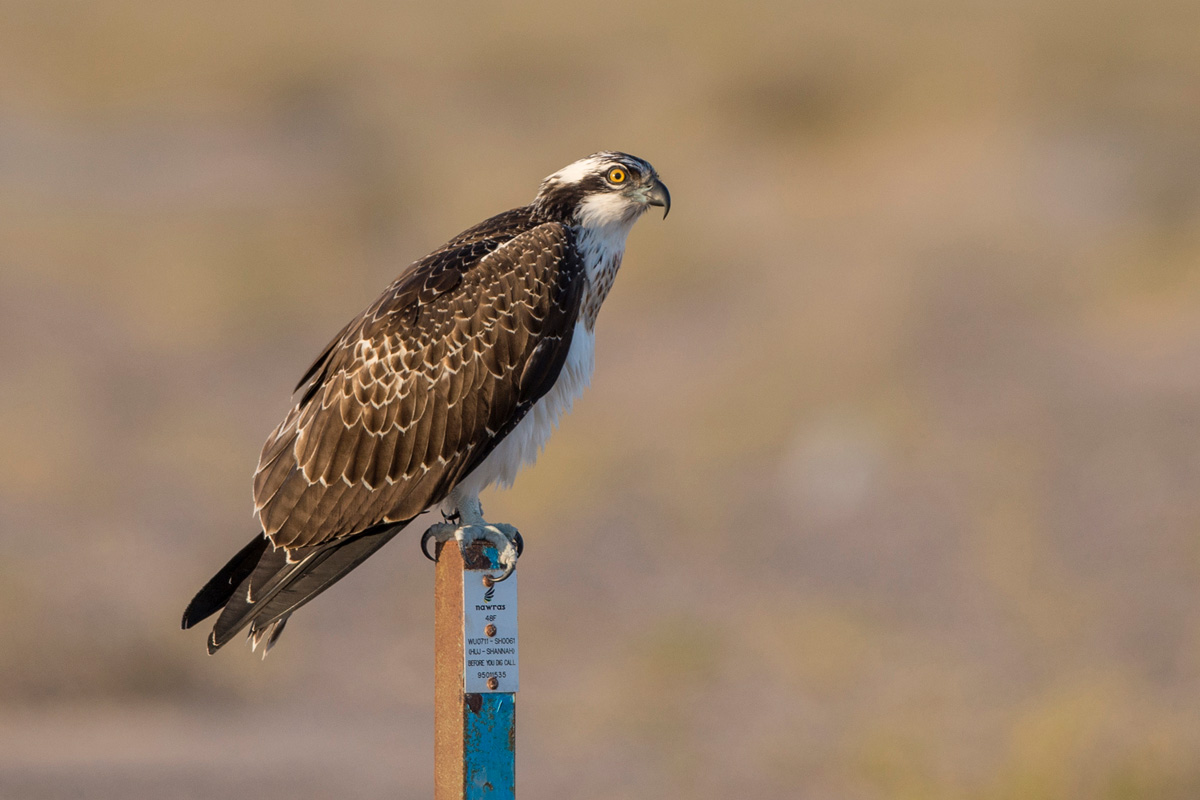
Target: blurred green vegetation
(886, 483)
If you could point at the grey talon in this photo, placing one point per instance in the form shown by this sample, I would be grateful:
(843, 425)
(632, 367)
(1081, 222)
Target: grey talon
(425, 537)
(441, 532)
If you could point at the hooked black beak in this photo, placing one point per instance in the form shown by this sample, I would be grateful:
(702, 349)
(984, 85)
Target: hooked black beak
(659, 196)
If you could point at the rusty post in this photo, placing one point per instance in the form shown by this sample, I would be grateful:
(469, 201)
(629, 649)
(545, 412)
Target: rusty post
(474, 733)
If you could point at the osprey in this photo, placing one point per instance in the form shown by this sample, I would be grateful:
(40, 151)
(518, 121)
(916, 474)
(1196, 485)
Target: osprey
(451, 381)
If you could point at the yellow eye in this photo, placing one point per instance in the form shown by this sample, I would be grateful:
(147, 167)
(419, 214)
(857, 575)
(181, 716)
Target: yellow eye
(616, 175)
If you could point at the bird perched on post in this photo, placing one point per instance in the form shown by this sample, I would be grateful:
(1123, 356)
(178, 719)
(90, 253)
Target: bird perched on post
(451, 381)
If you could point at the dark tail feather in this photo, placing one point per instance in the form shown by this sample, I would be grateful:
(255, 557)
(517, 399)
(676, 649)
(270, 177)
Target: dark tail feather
(272, 589)
(216, 593)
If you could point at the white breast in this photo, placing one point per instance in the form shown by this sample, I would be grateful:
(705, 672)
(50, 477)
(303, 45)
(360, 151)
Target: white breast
(601, 245)
(522, 446)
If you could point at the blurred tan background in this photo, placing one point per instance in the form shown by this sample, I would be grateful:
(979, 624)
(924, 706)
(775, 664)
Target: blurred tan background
(886, 485)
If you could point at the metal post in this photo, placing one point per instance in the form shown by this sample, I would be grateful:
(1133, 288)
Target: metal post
(475, 677)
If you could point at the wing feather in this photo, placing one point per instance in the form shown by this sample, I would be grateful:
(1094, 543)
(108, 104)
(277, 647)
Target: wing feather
(273, 512)
(328, 431)
(419, 434)
(375, 476)
(421, 387)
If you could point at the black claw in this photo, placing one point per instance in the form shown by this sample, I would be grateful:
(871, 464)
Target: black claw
(425, 537)
(520, 542)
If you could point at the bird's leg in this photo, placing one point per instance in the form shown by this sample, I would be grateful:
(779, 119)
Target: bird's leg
(473, 527)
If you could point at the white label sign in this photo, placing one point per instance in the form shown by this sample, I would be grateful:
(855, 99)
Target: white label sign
(489, 633)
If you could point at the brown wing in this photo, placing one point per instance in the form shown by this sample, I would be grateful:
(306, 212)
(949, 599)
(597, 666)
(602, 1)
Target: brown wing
(416, 391)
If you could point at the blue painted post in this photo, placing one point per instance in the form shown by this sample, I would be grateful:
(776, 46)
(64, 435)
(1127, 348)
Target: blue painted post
(475, 649)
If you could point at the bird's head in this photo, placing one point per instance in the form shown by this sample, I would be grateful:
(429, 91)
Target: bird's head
(603, 189)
